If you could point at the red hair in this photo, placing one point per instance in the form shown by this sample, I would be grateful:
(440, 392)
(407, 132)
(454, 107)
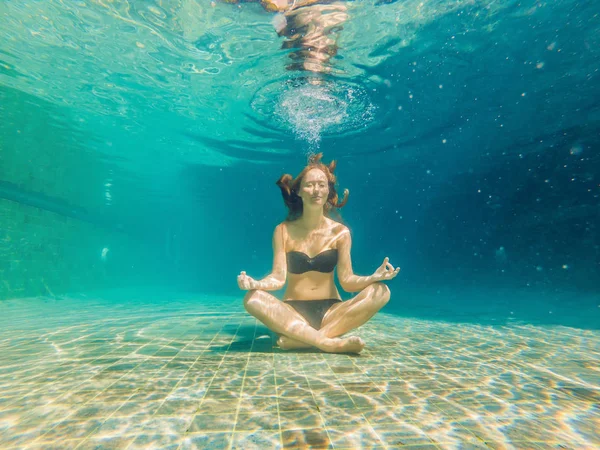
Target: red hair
(291, 186)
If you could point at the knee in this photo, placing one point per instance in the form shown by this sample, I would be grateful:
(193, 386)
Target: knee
(381, 294)
(252, 300)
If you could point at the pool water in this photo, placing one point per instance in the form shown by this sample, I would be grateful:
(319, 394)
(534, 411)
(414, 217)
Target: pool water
(140, 143)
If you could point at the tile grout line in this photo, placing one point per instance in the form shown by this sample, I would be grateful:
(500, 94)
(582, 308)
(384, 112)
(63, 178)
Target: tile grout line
(147, 382)
(408, 420)
(174, 387)
(348, 394)
(97, 395)
(237, 412)
(319, 409)
(65, 375)
(277, 394)
(86, 438)
(212, 378)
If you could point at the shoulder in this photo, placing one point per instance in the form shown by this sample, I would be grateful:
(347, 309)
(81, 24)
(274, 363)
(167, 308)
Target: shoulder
(280, 228)
(338, 228)
(340, 232)
(285, 225)
(279, 236)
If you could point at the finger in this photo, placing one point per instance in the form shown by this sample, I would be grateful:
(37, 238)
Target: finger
(392, 274)
(242, 273)
(388, 266)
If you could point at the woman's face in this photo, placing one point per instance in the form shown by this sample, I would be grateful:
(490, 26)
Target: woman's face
(314, 188)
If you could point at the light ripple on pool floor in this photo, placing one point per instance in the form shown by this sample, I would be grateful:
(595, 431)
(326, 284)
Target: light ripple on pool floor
(196, 372)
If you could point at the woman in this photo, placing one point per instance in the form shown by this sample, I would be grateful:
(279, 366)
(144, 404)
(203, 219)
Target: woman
(312, 313)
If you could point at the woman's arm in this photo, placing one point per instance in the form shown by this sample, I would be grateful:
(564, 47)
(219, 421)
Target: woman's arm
(349, 281)
(276, 279)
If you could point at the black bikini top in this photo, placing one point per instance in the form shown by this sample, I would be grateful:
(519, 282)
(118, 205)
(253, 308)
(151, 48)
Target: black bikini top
(300, 262)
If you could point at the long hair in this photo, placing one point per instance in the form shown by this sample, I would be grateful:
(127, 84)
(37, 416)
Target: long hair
(291, 186)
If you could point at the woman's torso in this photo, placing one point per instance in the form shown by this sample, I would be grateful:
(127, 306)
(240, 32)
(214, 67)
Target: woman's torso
(315, 253)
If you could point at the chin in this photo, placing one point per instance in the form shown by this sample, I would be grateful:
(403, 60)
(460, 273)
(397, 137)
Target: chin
(313, 205)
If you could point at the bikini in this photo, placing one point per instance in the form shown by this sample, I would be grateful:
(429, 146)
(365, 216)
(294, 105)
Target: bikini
(299, 262)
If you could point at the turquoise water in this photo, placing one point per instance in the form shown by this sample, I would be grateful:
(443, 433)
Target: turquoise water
(140, 142)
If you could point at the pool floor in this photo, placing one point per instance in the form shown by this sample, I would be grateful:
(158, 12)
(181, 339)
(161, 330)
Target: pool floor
(191, 371)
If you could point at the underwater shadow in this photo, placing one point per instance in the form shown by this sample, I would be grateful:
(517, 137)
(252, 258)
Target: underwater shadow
(259, 340)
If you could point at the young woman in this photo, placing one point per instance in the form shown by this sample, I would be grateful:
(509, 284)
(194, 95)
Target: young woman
(307, 246)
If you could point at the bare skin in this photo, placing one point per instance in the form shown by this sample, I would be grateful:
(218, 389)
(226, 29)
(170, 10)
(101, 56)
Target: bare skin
(311, 28)
(312, 234)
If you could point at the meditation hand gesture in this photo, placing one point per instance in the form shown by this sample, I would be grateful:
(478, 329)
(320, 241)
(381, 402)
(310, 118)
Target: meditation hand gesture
(386, 271)
(245, 282)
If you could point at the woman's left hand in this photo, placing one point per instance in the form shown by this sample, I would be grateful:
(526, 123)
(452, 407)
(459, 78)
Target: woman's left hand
(386, 271)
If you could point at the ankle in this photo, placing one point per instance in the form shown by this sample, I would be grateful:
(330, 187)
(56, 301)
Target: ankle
(328, 344)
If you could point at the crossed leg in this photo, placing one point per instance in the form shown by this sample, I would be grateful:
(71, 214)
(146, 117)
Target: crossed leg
(340, 319)
(346, 316)
(283, 319)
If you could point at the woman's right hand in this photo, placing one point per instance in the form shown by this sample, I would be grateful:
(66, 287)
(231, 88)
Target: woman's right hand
(245, 282)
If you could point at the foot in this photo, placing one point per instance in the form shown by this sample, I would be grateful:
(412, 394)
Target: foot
(351, 344)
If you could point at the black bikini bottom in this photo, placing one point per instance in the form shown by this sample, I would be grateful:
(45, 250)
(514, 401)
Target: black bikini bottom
(313, 310)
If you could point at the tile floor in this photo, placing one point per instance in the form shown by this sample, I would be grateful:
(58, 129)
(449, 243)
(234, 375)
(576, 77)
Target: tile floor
(185, 372)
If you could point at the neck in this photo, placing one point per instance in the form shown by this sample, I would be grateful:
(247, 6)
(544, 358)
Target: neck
(312, 218)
